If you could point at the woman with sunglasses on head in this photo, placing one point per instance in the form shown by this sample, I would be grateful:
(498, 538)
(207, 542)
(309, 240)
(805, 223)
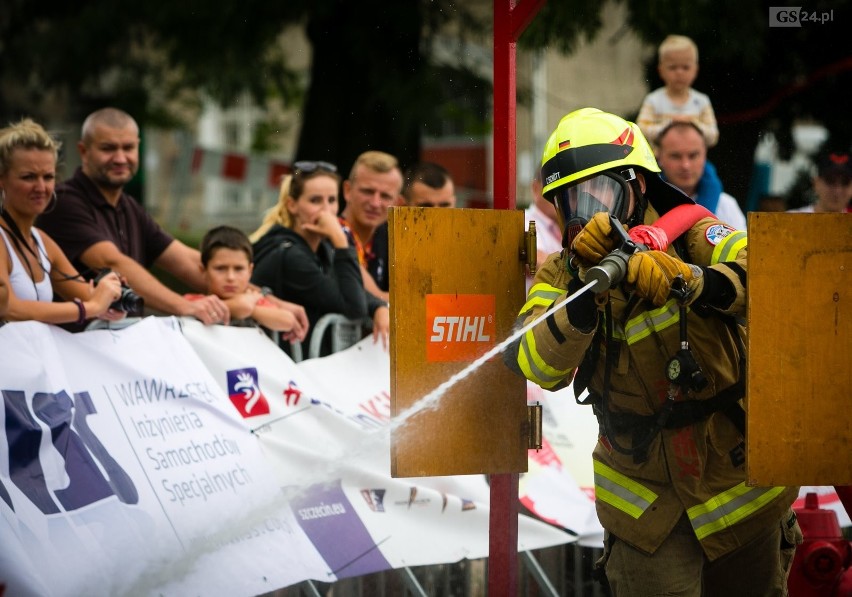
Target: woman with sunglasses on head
(302, 253)
(32, 266)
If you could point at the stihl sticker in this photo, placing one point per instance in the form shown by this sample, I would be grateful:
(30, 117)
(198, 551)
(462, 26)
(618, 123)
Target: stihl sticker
(459, 327)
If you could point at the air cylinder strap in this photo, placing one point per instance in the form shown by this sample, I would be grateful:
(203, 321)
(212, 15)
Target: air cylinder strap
(687, 412)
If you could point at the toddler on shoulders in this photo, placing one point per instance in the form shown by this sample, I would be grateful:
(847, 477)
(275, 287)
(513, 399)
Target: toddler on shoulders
(677, 100)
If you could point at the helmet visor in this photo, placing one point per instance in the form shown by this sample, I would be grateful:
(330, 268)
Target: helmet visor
(607, 192)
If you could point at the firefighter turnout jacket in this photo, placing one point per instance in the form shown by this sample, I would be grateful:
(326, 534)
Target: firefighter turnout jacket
(697, 468)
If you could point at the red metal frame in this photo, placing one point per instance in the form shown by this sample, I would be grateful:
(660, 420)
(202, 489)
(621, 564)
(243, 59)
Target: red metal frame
(510, 20)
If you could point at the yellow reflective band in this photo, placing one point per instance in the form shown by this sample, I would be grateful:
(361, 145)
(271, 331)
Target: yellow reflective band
(541, 295)
(728, 248)
(621, 492)
(652, 321)
(534, 367)
(536, 301)
(729, 508)
(545, 288)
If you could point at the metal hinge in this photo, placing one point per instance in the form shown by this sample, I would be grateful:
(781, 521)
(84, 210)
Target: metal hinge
(534, 426)
(529, 252)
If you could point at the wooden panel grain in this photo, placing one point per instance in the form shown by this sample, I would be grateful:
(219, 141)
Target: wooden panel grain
(441, 257)
(799, 380)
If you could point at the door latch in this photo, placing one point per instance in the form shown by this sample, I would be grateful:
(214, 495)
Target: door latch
(534, 426)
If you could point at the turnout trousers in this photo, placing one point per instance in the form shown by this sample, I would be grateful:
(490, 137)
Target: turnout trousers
(680, 568)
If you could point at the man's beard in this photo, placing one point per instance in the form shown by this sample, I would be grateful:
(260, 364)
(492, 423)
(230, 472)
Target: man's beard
(104, 180)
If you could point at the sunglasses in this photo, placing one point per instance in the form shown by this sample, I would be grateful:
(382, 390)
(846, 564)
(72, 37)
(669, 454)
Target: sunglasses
(306, 167)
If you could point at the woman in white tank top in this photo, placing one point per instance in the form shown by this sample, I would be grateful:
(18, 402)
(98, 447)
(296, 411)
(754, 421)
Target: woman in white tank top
(32, 266)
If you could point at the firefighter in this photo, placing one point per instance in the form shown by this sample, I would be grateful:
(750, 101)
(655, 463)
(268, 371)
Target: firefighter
(662, 357)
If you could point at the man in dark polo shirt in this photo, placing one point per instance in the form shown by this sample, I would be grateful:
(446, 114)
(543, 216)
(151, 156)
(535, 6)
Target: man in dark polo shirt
(98, 226)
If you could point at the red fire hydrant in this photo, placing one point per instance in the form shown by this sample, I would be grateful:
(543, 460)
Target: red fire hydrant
(823, 563)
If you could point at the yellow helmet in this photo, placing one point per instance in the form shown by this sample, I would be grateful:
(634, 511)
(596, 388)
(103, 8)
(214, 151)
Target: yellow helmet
(589, 143)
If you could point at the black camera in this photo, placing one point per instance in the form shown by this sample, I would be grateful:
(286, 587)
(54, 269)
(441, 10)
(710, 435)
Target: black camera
(129, 301)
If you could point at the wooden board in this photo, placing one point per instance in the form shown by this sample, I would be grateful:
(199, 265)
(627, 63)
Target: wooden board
(456, 286)
(799, 384)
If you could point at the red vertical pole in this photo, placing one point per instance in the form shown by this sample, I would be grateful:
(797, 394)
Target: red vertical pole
(503, 536)
(503, 522)
(505, 142)
(509, 22)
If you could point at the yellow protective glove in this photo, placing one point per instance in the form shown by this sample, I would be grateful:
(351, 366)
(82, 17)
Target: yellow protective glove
(652, 273)
(595, 241)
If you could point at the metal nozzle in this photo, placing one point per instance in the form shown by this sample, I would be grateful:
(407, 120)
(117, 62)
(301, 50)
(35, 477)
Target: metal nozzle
(609, 272)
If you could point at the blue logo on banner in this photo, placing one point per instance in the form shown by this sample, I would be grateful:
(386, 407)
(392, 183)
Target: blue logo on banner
(84, 455)
(244, 392)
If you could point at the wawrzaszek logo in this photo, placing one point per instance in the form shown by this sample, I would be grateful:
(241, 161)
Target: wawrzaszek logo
(794, 16)
(245, 393)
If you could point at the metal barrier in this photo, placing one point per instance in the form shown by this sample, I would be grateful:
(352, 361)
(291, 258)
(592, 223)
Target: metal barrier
(103, 324)
(342, 332)
(562, 571)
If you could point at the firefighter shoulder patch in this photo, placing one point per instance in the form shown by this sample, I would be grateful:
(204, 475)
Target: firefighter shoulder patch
(715, 233)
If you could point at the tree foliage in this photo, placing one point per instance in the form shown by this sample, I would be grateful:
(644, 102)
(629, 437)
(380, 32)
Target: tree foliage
(759, 78)
(370, 83)
(373, 82)
(140, 56)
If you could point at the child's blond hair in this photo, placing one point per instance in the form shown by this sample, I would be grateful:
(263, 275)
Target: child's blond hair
(674, 43)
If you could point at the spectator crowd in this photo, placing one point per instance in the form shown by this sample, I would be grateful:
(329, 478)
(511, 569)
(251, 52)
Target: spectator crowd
(83, 249)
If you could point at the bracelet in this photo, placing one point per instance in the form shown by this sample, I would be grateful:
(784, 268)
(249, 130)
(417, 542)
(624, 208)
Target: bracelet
(81, 311)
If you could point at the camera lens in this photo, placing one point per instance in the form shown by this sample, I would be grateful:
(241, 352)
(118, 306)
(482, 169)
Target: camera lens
(128, 302)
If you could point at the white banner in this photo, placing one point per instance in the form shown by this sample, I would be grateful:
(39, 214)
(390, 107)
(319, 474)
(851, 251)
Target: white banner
(325, 425)
(126, 469)
(171, 458)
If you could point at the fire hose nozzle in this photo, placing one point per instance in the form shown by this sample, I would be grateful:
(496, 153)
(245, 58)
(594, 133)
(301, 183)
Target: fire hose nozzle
(609, 272)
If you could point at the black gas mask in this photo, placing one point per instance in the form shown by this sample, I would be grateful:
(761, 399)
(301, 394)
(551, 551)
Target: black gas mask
(607, 192)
